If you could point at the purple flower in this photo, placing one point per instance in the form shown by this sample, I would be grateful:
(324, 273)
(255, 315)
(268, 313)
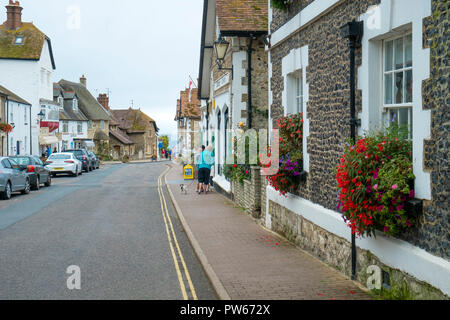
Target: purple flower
(400, 207)
(398, 217)
(408, 223)
(394, 117)
(391, 209)
(296, 173)
(386, 229)
(380, 208)
(375, 174)
(411, 194)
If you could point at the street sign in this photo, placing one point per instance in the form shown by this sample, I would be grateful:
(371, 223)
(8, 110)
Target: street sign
(188, 172)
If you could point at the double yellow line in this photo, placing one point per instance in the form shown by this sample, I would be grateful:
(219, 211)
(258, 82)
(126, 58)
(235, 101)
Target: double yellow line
(173, 243)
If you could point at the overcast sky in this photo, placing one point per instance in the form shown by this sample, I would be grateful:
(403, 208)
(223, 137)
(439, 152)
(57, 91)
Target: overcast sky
(142, 50)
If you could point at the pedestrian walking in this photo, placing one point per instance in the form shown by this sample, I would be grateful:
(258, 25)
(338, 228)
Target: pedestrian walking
(196, 157)
(206, 161)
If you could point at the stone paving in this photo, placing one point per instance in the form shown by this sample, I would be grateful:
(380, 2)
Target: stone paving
(251, 262)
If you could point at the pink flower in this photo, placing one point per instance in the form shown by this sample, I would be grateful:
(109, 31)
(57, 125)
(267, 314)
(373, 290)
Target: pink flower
(380, 208)
(411, 194)
(408, 223)
(375, 187)
(386, 229)
(395, 187)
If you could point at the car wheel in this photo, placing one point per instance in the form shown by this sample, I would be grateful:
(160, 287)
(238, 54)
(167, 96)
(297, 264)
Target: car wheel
(6, 195)
(38, 184)
(27, 187)
(49, 181)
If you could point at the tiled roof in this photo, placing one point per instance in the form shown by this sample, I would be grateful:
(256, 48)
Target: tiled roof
(67, 113)
(87, 103)
(12, 96)
(121, 136)
(242, 15)
(186, 108)
(132, 120)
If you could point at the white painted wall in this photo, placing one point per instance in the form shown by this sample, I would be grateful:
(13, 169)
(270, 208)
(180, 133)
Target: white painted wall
(382, 22)
(238, 89)
(23, 77)
(72, 133)
(20, 114)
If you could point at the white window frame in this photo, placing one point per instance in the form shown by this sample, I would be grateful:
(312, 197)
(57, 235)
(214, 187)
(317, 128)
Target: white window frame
(79, 127)
(65, 126)
(389, 110)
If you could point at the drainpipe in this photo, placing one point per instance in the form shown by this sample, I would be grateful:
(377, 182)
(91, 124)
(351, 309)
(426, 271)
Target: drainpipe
(249, 78)
(353, 31)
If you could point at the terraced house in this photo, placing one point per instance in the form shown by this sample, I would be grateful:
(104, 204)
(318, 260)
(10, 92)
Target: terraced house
(401, 77)
(233, 84)
(96, 134)
(26, 65)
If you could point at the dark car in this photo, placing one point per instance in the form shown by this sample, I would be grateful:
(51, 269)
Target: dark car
(35, 170)
(83, 156)
(95, 160)
(12, 179)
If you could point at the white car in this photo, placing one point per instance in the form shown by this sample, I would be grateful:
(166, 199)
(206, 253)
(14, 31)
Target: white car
(63, 162)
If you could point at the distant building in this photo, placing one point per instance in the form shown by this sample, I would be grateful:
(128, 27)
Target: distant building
(133, 133)
(26, 65)
(188, 117)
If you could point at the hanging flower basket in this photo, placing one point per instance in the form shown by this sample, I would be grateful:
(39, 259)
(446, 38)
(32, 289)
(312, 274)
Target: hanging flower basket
(6, 127)
(374, 180)
(282, 4)
(290, 172)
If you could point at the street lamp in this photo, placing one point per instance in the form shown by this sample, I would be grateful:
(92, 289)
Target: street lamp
(221, 46)
(41, 116)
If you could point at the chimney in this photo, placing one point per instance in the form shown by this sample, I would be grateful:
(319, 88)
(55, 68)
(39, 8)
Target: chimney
(13, 15)
(103, 99)
(83, 80)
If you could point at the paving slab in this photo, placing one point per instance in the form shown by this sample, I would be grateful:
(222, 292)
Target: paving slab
(246, 261)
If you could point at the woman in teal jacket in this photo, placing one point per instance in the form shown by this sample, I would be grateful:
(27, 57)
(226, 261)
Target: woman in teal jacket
(205, 162)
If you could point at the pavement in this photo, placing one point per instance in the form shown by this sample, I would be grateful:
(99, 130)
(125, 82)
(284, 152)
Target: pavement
(245, 261)
(111, 224)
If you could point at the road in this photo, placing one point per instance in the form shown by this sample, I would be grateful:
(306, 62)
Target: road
(112, 224)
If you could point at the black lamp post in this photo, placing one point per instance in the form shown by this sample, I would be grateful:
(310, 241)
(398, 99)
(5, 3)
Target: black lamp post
(353, 31)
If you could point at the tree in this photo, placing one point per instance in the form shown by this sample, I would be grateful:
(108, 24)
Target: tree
(165, 141)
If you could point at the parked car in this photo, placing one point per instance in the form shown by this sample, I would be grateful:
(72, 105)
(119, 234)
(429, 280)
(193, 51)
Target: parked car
(83, 156)
(95, 160)
(12, 179)
(35, 169)
(64, 162)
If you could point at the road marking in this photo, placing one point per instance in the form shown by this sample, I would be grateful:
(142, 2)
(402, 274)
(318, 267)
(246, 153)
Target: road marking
(170, 234)
(188, 277)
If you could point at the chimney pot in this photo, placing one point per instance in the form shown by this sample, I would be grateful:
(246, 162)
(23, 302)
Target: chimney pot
(83, 80)
(103, 99)
(13, 15)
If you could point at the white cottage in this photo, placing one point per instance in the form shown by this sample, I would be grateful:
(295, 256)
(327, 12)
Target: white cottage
(26, 65)
(17, 115)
